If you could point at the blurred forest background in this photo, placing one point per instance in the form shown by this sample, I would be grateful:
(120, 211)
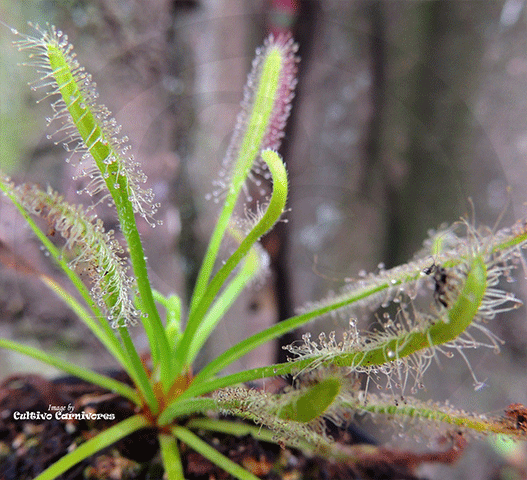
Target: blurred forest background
(404, 111)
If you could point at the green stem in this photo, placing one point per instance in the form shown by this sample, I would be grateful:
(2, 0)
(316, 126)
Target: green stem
(158, 338)
(109, 340)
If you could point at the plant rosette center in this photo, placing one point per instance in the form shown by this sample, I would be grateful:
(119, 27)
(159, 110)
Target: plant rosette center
(165, 398)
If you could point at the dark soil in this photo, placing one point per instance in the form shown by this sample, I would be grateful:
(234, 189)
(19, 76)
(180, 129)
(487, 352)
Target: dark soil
(27, 447)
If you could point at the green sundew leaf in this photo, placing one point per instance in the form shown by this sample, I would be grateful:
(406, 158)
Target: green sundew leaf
(224, 301)
(89, 244)
(438, 413)
(87, 125)
(272, 214)
(460, 316)
(194, 442)
(94, 445)
(362, 355)
(466, 306)
(294, 414)
(171, 457)
(312, 402)
(90, 130)
(260, 125)
(127, 357)
(185, 408)
(97, 324)
(68, 367)
(258, 432)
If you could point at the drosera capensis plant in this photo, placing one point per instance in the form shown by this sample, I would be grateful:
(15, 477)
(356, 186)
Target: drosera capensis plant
(462, 265)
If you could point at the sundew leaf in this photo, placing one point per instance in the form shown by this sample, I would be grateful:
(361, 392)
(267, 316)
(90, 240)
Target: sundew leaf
(273, 212)
(312, 402)
(402, 351)
(87, 128)
(511, 423)
(500, 252)
(202, 447)
(94, 445)
(89, 131)
(260, 125)
(93, 250)
(68, 367)
(296, 413)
